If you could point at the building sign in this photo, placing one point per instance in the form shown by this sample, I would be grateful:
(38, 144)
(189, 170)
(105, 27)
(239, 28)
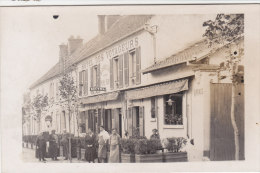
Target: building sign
(97, 88)
(122, 47)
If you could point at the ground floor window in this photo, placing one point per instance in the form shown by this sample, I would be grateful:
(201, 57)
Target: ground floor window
(173, 109)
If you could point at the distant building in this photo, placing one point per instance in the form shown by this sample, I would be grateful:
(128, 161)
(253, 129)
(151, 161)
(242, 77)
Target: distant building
(139, 73)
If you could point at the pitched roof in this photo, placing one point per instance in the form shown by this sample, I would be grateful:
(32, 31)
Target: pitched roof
(54, 71)
(126, 25)
(197, 50)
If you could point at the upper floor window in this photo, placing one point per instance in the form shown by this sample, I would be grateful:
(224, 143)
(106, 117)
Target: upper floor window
(132, 67)
(83, 82)
(173, 109)
(116, 72)
(95, 76)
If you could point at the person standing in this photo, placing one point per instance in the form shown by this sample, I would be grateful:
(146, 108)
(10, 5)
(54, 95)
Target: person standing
(103, 138)
(65, 144)
(54, 145)
(114, 147)
(90, 141)
(41, 146)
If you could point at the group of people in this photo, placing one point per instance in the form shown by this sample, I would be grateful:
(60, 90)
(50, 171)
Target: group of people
(41, 146)
(97, 146)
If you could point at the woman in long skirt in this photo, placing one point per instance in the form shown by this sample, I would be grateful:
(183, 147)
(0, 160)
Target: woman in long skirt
(90, 153)
(114, 147)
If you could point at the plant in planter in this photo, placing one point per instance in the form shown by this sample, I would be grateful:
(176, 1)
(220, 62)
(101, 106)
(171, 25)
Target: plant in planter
(174, 146)
(127, 150)
(145, 150)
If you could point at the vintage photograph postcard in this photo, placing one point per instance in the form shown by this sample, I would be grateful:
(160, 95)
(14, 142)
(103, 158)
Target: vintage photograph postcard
(106, 88)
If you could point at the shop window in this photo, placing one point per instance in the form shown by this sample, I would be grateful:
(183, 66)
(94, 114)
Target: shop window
(173, 109)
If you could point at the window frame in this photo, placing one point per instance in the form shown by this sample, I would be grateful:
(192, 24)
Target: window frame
(176, 112)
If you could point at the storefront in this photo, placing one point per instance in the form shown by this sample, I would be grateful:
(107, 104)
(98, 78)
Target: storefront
(160, 106)
(105, 109)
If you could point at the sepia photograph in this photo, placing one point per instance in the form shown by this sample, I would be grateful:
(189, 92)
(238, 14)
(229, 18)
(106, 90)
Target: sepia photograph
(100, 85)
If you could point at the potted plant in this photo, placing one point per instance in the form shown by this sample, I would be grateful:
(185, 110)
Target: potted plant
(174, 146)
(145, 151)
(127, 150)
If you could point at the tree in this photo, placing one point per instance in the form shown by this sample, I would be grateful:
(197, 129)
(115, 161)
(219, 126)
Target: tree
(68, 92)
(227, 29)
(39, 105)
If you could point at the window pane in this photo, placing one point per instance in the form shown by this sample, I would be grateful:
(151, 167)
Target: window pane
(173, 110)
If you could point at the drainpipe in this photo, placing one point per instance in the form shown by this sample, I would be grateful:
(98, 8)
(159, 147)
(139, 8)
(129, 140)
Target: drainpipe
(152, 30)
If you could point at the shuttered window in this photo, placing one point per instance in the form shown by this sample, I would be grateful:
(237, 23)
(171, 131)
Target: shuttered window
(111, 75)
(120, 71)
(126, 69)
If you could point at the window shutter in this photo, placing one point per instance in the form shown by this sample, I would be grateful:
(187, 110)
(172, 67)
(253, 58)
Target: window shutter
(83, 82)
(141, 120)
(138, 65)
(80, 83)
(129, 122)
(91, 77)
(98, 76)
(86, 83)
(126, 68)
(120, 71)
(111, 75)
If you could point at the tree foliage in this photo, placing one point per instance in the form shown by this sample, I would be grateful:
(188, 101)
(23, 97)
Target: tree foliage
(40, 102)
(67, 88)
(226, 28)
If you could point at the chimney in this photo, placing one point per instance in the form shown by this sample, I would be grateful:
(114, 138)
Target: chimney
(63, 51)
(74, 44)
(105, 22)
(110, 20)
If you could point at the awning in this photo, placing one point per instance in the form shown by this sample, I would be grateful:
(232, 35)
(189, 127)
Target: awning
(100, 98)
(156, 90)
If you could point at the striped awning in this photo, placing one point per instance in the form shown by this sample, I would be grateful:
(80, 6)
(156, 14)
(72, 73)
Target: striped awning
(159, 89)
(100, 98)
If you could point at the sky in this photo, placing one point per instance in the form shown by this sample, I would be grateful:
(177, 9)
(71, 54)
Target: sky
(30, 39)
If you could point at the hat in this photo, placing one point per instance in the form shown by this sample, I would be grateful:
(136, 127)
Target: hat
(155, 130)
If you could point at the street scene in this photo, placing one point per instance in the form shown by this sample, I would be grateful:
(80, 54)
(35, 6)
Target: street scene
(145, 88)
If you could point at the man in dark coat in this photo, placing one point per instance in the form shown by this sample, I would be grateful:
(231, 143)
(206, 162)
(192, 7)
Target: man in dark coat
(54, 145)
(41, 146)
(65, 143)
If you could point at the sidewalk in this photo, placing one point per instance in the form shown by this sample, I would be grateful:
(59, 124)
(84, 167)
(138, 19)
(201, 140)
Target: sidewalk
(29, 156)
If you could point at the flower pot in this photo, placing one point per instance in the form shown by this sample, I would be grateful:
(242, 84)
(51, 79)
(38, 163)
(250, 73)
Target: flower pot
(127, 158)
(148, 158)
(175, 157)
